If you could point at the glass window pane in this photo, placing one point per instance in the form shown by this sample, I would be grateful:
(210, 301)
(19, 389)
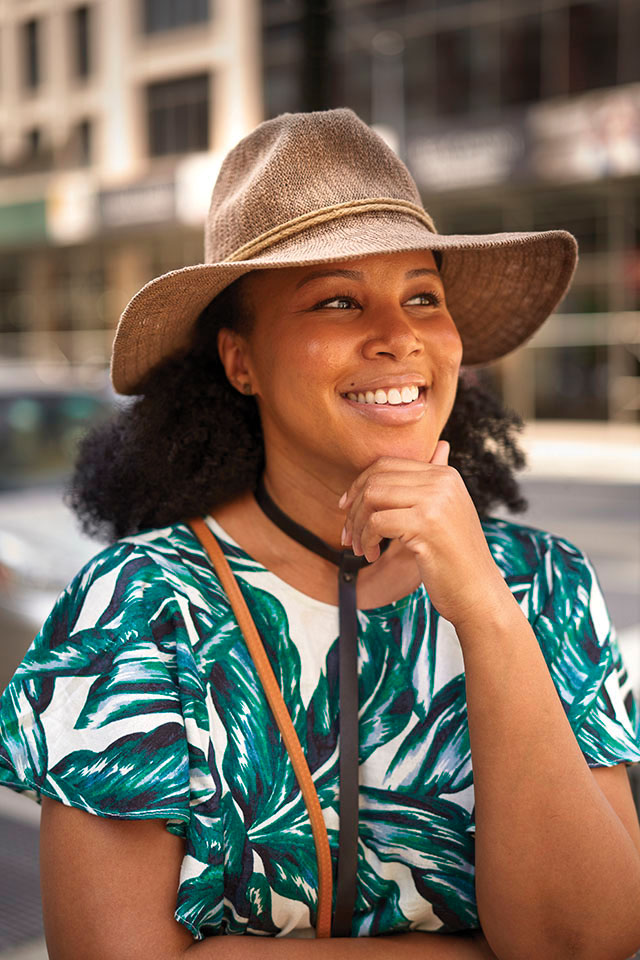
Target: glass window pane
(452, 71)
(593, 45)
(178, 115)
(521, 60)
(170, 14)
(31, 53)
(571, 379)
(81, 31)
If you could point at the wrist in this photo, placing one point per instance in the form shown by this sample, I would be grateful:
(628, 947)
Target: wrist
(496, 613)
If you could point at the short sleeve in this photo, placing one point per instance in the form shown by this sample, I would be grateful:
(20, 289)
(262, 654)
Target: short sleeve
(579, 642)
(93, 715)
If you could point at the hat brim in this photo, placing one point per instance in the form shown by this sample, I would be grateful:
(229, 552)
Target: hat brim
(499, 288)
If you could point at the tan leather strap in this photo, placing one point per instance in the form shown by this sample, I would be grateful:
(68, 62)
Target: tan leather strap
(281, 714)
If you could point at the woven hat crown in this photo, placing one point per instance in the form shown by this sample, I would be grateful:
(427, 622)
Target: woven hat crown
(313, 188)
(293, 165)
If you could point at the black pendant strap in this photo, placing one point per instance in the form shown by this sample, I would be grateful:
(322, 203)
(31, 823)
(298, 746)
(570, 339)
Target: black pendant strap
(298, 532)
(349, 565)
(349, 747)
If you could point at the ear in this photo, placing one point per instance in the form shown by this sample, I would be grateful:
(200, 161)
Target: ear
(233, 353)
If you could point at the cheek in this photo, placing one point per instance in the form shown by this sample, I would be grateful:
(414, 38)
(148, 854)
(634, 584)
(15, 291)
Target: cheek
(323, 354)
(315, 364)
(292, 368)
(448, 349)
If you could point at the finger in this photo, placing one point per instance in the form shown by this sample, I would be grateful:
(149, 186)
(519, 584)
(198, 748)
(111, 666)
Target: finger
(396, 524)
(383, 495)
(379, 494)
(441, 454)
(384, 464)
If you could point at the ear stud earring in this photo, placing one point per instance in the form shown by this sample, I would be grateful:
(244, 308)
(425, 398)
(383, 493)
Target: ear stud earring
(246, 388)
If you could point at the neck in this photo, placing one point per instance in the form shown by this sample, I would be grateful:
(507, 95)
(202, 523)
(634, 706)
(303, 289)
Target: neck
(309, 498)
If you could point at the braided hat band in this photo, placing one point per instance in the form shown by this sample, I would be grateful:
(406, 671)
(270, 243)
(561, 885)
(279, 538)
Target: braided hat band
(313, 188)
(306, 220)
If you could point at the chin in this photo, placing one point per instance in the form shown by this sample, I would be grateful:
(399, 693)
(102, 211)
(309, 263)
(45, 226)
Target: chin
(416, 449)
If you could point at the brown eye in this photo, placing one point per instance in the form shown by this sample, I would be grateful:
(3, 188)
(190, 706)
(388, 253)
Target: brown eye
(344, 303)
(428, 299)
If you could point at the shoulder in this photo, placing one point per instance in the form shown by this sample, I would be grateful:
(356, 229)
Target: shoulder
(518, 548)
(550, 576)
(157, 574)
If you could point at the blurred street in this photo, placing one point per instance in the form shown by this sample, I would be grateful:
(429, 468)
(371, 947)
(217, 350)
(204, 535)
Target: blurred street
(601, 515)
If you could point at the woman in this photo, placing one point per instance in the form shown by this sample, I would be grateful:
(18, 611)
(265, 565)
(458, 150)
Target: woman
(301, 390)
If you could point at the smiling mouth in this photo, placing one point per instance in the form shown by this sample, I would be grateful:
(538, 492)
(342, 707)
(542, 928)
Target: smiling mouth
(394, 396)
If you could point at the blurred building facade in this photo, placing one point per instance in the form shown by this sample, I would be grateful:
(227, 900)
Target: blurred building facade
(114, 117)
(512, 115)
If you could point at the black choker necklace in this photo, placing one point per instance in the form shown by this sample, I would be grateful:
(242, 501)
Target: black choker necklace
(348, 567)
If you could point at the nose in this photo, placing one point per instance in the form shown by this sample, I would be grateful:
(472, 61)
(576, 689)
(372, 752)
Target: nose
(391, 335)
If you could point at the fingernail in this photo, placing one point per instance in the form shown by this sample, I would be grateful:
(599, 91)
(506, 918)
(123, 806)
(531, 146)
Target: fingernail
(343, 535)
(342, 500)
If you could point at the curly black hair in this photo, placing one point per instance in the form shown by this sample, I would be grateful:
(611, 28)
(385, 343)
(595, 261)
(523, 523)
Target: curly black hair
(190, 441)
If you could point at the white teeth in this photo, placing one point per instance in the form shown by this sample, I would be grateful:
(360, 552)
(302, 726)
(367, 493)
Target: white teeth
(393, 396)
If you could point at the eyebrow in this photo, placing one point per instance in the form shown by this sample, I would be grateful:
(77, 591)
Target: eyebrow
(357, 275)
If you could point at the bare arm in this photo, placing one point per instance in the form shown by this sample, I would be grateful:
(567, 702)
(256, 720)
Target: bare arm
(109, 887)
(557, 845)
(405, 946)
(109, 892)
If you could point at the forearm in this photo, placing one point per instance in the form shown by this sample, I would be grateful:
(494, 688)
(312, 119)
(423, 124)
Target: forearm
(557, 874)
(404, 946)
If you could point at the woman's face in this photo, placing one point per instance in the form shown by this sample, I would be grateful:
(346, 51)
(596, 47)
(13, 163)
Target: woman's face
(349, 361)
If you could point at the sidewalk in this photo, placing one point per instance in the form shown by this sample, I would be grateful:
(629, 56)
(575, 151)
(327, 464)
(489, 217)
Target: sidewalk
(583, 450)
(34, 950)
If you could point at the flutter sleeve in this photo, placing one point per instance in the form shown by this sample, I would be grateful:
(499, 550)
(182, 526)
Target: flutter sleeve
(93, 715)
(109, 711)
(579, 643)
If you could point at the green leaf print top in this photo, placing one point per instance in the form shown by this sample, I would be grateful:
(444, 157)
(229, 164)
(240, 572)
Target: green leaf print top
(138, 699)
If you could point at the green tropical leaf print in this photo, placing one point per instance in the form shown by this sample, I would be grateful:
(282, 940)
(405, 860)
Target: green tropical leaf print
(139, 699)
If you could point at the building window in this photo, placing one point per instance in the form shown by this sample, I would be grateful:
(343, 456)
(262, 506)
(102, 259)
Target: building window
(453, 80)
(36, 153)
(521, 60)
(31, 54)
(34, 142)
(82, 137)
(178, 115)
(593, 45)
(168, 14)
(571, 379)
(81, 41)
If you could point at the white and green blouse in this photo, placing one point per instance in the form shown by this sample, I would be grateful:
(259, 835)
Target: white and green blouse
(138, 699)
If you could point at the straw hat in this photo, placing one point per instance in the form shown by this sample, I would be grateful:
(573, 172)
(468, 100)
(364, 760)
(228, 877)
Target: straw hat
(310, 188)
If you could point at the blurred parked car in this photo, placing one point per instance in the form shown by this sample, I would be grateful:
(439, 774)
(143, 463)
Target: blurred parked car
(41, 546)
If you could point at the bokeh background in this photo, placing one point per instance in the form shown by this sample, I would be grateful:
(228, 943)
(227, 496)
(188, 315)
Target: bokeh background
(114, 118)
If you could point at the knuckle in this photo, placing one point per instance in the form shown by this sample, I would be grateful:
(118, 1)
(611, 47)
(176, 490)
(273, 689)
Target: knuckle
(374, 522)
(370, 492)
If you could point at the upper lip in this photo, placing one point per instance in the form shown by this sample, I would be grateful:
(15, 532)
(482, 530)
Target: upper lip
(388, 382)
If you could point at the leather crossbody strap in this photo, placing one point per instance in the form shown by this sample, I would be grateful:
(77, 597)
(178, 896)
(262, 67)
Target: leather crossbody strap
(281, 714)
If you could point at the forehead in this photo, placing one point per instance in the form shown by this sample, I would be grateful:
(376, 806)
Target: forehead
(378, 268)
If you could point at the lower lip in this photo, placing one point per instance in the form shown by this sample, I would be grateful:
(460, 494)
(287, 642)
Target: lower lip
(391, 413)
